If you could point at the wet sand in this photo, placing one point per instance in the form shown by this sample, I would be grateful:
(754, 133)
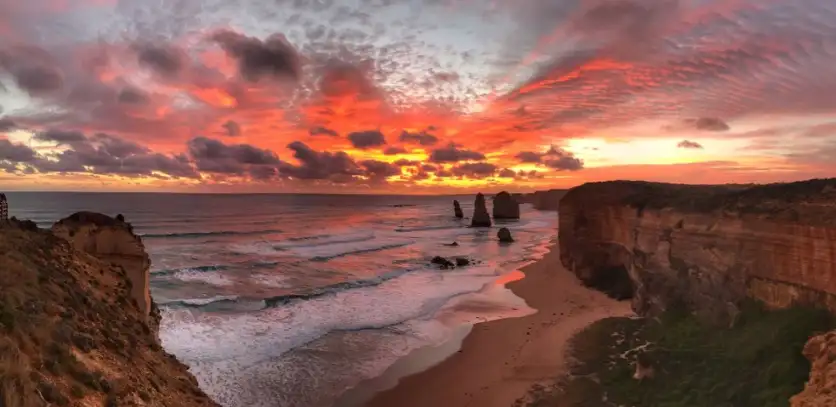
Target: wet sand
(499, 361)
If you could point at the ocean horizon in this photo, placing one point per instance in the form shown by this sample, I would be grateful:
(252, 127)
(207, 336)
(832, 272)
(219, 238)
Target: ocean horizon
(294, 299)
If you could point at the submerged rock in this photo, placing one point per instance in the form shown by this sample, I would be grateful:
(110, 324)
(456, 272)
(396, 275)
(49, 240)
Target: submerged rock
(454, 244)
(462, 261)
(504, 235)
(443, 262)
(457, 209)
(505, 206)
(481, 218)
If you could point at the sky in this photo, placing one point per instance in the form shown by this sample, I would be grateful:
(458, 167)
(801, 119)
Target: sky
(413, 96)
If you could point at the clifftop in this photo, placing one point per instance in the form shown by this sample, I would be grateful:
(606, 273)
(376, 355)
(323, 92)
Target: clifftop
(72, 333)
(808, 202)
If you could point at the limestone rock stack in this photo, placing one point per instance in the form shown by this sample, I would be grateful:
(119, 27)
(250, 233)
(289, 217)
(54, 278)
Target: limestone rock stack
(505, 206)
(504, 236)
(457, 209)
(481, 218)
(112, 241)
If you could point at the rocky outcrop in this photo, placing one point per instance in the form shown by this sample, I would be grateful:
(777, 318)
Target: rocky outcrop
(457, 209)
(820, 390)
(708, 248)
(72, 332)
(505, 206)
(113, 241)
(542, 200)
(504, 235)
(480, 218)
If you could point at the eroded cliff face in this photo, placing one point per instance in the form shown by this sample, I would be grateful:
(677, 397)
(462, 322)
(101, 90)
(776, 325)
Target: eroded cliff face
(707, 248)
(73, 331)
(112, 241)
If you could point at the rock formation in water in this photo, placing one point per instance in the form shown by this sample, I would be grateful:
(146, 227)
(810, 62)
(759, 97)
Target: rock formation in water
(72, 330)
(505, 206)
(504, 235)
(480, 218)
(708, 248)
(113, 241)
(457, 209)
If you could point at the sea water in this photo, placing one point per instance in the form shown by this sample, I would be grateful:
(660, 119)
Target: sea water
(291, 300)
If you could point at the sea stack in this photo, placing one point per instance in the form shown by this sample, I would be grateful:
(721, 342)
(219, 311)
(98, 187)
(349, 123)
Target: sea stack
(505, 206)
(504, 236)
(113, 241)
(457, 209)
(481, 218)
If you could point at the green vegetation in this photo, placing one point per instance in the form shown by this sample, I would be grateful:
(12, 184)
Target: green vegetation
(757, 363)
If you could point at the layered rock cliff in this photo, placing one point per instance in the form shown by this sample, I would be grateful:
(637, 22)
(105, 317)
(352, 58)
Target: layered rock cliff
(74, 320)
(542, 200)
(707, 248)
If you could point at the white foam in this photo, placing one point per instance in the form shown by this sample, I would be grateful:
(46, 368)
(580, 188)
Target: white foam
(207, 277)
(272, 280)
(222, 348)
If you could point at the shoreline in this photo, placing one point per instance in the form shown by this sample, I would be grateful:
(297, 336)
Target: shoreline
(500, 361)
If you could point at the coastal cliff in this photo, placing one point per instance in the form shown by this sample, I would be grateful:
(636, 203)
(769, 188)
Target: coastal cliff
(708, 249)
(542, 200)
(77, 324)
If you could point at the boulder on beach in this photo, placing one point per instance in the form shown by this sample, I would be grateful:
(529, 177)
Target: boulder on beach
(457, 209)
(505, 206)
(481, 218)
(462, 261)
(504, 235)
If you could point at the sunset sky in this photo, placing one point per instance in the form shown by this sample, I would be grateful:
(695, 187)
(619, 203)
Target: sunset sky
(412, 96)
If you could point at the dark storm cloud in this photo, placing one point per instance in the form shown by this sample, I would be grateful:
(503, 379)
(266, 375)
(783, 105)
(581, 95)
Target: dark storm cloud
(394, 150)
(689, 144)
(452, 154)
(233, 129)
(33, 69)
(422, 138)
(60, 136)
(507, 173)
(555, 158)
(214, 156)
(711, 124)
(165, 60)
(15, 153)
(367, 139)
(274, 57)
(475, 170)
(7, 124)
(406, 163)
(380, 169)
(316, 165)
(323, 131)
(132, 96)
(529, 157)
(103, 154)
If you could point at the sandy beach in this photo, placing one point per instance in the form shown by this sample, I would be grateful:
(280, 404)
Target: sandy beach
(499, 361)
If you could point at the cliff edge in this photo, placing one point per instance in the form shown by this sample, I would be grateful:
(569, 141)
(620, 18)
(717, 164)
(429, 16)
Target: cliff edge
(707, 249)
(74, 330)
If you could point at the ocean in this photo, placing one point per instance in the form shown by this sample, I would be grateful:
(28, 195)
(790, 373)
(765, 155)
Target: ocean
(291, 300)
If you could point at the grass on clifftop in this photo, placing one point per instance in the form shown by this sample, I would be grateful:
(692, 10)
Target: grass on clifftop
(757, 363)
